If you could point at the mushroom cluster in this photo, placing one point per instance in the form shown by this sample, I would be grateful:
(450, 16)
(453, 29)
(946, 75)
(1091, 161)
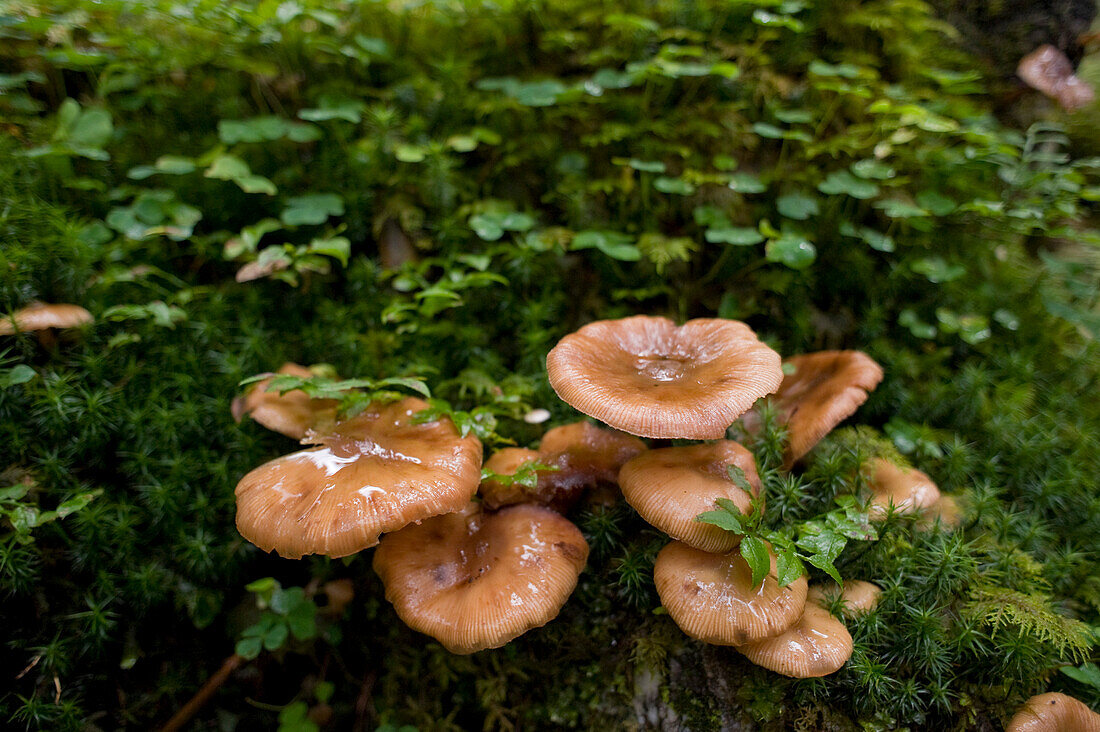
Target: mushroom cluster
(464, 572)
(648, 377)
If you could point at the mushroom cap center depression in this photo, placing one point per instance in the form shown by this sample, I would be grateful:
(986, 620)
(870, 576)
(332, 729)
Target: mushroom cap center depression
(661, 368)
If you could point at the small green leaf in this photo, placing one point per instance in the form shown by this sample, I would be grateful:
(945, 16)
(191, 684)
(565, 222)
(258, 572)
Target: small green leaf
(737, 475)
(276, 636)
(249, 648)
(935, 202)
(841, 181)
(612, 243)
(746, 183)
(1086, 673)
(19, 374)
(788, 567)
(755, 552)
(794, 251)
(312, 209)
(938, 270)
(739, 236)
(797, 205)
(337, 247)
(678, 186)
(646, 166)
(722, 519)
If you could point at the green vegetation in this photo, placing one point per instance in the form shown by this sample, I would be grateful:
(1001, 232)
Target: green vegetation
(429, 195)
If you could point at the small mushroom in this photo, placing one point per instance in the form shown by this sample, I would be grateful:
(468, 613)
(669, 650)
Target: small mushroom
(292, 414)
(817, 645)
(859, 597)
(646, 376)
(1054, 712)
(42, 316)
(475, 580)
(1048, 70)
(581, 456)
(824, 389)
(946, 510)
(507, 461)
(711, 597)
(374, 473)
(907, 489)
(670, 486)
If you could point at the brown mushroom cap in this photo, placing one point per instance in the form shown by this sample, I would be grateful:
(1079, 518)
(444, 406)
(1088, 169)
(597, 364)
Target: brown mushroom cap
(1054, 712)
(40, 316)
(583, 455)
(507, 461)
(292, 414)
(475, 580)
(825, 388)
(946, 510)
(860, 597)
(817, 645)
(908, 489)
(375, 472)
(646, 376)
(711, 598)
(670, 486)
(1048, 70)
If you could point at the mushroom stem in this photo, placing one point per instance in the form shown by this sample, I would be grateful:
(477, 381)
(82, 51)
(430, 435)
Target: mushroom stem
(198, 701)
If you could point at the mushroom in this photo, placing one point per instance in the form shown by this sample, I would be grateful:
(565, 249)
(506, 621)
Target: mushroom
(670, 486)
(711, 597)
(646, 376)
(1048, 70)
(817, 645)
(824, 389)
(42, 316)
(475, 580)
(373, 473)
(507, 461)
(859, 597)
(581, 456)
(292, 414)
(1054, 712)
(908, 490)
(946, 510)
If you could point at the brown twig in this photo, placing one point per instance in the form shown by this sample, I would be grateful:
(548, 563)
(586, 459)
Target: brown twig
(191, 708)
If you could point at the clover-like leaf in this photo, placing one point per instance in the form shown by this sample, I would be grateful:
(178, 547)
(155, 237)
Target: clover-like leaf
(313, 208)
(793, 250)
(612, 243)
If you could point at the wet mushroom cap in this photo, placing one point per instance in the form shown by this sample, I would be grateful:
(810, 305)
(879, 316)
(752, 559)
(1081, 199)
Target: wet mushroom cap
(40, 316)
(711, 598)
(946, 510)
(860, 597)
(374, 473)
(1054, 712)
(817, 645)
(475, 580)
(584, 447)
(646, 376)
(907, 489)
(670, 486)
(292, 414)
(824, 389)
(506, 461)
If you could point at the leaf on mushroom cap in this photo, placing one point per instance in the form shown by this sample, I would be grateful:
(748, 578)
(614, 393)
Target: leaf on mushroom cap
(907, 489)
(817, 645)
(507, 461)
(825, 388)
(40, 316)
(292, 414)
(670, 486)
(646, 376)
(1048, 70)
(1054, 712)
(373, 473)
(711, 597)
(860, 597)
(581, 456)
(476, 580)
